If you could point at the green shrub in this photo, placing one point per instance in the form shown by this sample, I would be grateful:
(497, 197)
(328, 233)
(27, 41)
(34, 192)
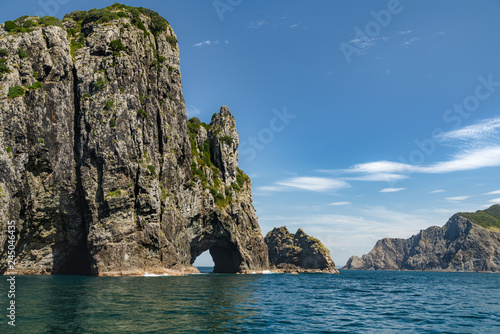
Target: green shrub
(4, 53)
(3, 68)
(50, 21)
(77, 15)
(117, 46)
(15, 91)
(241, 178)
(74, 45)
(136, 20)
(112, 123)
(99, 16)
(116, 193)
(109, 104)
(170, 96)
(22, 53)
(152, 170)
(227, 139)
(142, 113)
(36, 85)
(20, 19)
(172, 41)
(100, 84)
(8, 149)
(29, 24)
(11, 26)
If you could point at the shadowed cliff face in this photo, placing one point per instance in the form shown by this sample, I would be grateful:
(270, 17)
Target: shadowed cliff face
(97, 166)
(460, 245)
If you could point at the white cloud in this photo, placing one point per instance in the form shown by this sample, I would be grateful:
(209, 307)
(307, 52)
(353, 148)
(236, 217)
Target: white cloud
(313, 183)
(483, 130)
(192, 111)
(209, 42)
(463, 161)
(391, 190)
(467, 160)
(404, 32)
(495, 201)
(496, 192)
(437, 191)
(269, 189)
(339, 203)
(457, 198)
(387, 177)
(293, 25)
(381, 167)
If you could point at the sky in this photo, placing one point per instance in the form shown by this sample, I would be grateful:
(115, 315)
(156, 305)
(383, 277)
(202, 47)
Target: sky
(358, 120)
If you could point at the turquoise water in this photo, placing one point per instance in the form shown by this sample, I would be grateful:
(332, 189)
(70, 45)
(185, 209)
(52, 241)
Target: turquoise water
(351, 302)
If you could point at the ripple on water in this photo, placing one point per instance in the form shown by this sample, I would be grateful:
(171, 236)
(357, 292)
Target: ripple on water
(353, 301)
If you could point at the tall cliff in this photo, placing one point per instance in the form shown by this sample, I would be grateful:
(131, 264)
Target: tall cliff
(460, 245)
(97, 165)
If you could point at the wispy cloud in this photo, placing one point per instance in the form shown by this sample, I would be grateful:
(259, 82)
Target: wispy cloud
(478, 144)
(463, 161)
(209, 42)
(486, 130)
(339, 203)
(293, 25)
(437, 191)
(404, 32)
(495, 201)
(313, 183)
(496, 192)
(457, 198)
(192, 111)
(391, 190)
(258, 24)
(306, 183)
(387, 177)
(410, 41)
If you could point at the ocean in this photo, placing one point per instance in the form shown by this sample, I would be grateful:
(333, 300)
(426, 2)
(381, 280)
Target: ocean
(350, 302)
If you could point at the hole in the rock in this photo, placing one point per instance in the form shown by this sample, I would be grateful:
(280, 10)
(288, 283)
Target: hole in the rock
(204, 262)
(224, 256)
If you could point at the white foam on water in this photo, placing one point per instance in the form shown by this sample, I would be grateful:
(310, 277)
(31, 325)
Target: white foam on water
(153, 275)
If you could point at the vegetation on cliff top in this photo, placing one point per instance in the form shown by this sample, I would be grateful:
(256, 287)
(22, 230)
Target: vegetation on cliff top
(489, 218)
(156, 25)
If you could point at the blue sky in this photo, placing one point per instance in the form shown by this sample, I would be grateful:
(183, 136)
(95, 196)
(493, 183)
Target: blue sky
(358, 120)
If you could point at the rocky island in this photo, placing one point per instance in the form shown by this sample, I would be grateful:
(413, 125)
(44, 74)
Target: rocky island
(100, 171)
(467, 242)
(297, 252)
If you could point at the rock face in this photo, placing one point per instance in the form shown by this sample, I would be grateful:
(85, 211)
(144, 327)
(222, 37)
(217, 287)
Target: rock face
(460, 245)
(97, 166)
(297, 252)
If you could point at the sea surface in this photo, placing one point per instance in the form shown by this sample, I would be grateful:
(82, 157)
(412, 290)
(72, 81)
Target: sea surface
(350, 302)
